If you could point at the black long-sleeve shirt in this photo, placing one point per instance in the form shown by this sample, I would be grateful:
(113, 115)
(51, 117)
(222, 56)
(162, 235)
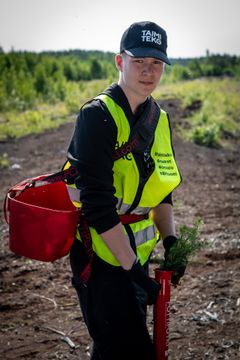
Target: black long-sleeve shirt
(91, 152)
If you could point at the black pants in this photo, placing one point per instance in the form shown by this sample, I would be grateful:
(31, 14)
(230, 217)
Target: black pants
(114, 310)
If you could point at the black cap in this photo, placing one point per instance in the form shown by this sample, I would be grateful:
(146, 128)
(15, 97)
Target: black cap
(145, 39)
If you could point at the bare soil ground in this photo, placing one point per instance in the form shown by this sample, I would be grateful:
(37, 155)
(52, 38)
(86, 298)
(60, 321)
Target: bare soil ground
(37, 298)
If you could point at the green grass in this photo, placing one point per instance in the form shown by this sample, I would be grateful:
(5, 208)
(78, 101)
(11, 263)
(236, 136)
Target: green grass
(215, 120)
(219, 113)
(15, 124)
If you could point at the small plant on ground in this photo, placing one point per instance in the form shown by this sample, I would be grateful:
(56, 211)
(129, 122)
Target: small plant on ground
(188, 244)
(4, 161)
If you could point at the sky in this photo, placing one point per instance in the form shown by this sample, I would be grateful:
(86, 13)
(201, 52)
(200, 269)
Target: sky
(193, 26)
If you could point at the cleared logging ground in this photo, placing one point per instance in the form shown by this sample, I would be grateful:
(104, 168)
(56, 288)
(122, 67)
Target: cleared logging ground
(37, 298)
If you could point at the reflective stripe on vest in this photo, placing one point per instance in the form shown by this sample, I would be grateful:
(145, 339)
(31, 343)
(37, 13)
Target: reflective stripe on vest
(123, 208)
(74, 195)
(145, 238)
(142, 236)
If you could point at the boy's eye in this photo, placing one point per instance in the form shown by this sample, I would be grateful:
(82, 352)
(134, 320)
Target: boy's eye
(158, 62)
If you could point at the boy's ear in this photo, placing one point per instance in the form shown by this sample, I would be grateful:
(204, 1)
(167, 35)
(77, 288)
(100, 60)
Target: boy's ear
(119, 61)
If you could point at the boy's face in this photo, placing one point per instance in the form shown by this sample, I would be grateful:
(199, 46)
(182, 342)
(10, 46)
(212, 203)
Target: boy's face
(139, 75)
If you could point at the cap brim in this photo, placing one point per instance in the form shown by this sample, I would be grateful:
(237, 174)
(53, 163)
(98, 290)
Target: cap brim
(148, 52)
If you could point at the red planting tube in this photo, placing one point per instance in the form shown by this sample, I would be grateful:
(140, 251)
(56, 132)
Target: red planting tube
(161, 315)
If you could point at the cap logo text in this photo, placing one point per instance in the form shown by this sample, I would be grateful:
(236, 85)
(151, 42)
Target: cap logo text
(151, 36)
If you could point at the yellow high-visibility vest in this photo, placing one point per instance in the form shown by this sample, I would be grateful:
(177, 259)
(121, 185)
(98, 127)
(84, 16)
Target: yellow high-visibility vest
(164, 179)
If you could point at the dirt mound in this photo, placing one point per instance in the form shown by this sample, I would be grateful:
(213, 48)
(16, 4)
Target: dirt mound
(39, 312)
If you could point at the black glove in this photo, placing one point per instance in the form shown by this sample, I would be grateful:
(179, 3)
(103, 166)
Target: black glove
(179, 269)
(140, 277)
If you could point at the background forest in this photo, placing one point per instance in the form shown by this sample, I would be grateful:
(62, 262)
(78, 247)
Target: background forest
(40, 91)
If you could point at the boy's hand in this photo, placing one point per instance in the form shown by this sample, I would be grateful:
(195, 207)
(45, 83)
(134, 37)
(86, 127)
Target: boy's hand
(140, 277)
(178, 270)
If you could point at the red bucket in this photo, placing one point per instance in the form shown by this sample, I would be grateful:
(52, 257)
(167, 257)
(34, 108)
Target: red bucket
(42, 221)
